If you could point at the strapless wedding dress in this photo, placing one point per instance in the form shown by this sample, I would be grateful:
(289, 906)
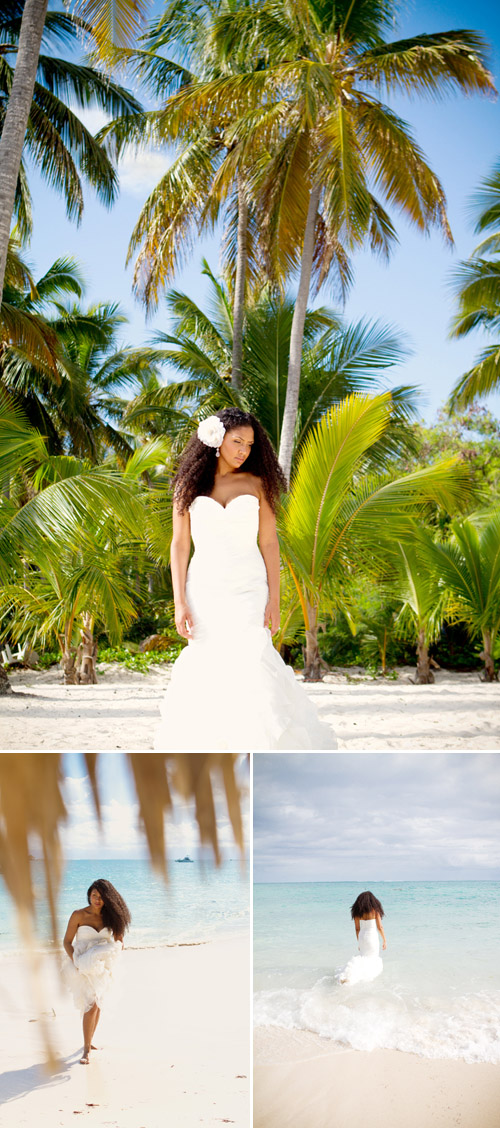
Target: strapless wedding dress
(368, 964)
(89, 976)
(229, 688)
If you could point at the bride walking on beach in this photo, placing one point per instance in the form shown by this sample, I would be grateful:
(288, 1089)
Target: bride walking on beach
(93, 941)
(230, 688)
(367, 914)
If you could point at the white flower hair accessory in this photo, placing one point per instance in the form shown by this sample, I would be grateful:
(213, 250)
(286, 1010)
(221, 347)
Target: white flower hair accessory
(211, 431)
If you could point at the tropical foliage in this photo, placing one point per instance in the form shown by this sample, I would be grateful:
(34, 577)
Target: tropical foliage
(477, 287)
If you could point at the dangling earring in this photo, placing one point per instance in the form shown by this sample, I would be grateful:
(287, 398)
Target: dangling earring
(217, 453)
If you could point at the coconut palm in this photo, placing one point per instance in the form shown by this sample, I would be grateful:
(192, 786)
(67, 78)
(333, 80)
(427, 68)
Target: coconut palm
(469, 567)
(339, 516)
(324, 138)
(77, 403)
(418, 585)
(206, 182)
(477, 286)
(74, 530)
(338, 359)
(34, 117)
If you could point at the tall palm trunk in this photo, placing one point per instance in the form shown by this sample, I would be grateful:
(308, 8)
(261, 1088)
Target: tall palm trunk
(239, 286)
(297, 337)
(16, 117)
(424, 673)
(489, 673)
(87, 652)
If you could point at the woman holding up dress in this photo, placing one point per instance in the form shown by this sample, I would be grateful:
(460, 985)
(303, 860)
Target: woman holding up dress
(229, 687)
(93, 941)
(367, 914)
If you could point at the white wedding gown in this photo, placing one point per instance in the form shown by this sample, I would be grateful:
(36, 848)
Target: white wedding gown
(90, 975)
(368, 964)
(229, 688)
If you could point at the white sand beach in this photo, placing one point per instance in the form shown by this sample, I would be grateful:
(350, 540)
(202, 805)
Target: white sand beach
(174, 1043)
(122, 711)
(302, 1080)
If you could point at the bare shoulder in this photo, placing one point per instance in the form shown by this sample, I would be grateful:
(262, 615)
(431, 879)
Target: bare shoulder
(253, 481)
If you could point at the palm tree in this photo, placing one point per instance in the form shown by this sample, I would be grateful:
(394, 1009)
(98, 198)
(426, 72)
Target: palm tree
(477, 287)
(419, 586)
(324, 138)
(469, 567)
(32, 114)
(206, 182)
(69, 536)
(338, 359)
(76, 403)
(339, 516)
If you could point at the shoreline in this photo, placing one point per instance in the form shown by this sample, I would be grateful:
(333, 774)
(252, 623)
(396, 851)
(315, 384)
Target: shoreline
(123, 710)
(174, 1039)
(304, 1081)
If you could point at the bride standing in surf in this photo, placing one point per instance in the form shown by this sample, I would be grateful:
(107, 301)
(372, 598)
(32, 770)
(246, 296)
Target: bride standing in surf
(93, 941)
(230, 688)
(367, 914)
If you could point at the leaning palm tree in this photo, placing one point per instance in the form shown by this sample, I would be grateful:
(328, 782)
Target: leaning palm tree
(477, 287)
(321, 141)
(469, 567)
(340, 515)
(32, 114)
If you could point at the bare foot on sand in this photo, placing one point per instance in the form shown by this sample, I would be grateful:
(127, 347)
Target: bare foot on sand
(85, 1059)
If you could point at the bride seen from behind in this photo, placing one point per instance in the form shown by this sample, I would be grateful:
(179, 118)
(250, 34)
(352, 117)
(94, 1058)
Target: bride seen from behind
(367, 914)
(93, 941)
(230, 688)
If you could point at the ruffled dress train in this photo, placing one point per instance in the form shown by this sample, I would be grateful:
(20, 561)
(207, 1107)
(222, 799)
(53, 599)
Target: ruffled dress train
(368, 964)
(229, 688)
(91, 973)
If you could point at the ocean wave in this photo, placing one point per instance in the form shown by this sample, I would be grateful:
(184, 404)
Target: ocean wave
(463, 1027)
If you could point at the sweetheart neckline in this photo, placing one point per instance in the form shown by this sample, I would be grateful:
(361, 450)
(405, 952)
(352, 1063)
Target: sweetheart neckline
(92, 927)
(219, 504)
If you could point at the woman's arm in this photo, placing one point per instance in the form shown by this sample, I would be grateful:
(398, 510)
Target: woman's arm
(380, 928)
(179, 559)
(269, 547)
(356, 926)
(69, 935)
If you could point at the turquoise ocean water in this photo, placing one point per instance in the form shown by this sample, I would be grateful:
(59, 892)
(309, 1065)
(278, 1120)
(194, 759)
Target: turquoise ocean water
(439, 993)
(199, 903)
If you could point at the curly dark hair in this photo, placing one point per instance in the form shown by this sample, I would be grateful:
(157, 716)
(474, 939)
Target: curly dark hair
(366, 903)
(115, 912)
(196, 472)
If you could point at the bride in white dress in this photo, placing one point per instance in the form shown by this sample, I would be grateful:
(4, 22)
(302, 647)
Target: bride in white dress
(367, 914)
(93, 941)
(229, 688)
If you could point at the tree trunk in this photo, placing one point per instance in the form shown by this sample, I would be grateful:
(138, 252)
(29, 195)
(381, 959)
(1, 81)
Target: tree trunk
(313, 662)
(424, 674)
(87, 653)
(69, 665)
(297, 337)
(5, 686)
(489, 673)
(239, 287)
(16, 118)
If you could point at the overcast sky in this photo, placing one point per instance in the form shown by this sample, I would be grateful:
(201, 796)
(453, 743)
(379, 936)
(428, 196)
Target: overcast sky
(121, 836)
(459, 136)
(376, 816)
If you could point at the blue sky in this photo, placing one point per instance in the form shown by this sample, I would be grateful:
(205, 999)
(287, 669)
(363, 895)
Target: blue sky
(121, 836)
(460, 138)
(376, 817)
